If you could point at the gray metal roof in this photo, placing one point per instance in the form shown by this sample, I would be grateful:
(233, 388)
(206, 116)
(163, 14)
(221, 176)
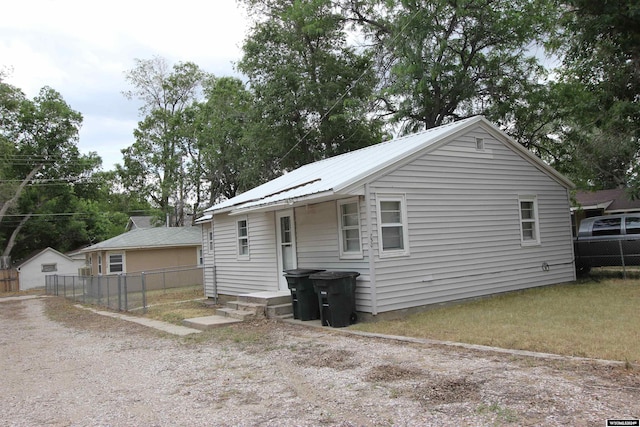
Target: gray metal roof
(151, 238)
(339, 174)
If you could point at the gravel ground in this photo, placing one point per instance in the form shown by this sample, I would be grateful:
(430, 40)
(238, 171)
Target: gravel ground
(87, 370)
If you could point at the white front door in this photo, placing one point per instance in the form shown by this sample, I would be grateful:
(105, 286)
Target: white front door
(286, 241)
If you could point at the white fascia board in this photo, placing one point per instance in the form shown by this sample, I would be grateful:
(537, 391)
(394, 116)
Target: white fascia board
(290, 203)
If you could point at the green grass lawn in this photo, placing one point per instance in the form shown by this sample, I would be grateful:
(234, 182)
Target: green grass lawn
(597, 317)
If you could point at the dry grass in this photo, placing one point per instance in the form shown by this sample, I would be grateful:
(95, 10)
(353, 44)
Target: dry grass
(177, 312)
(597, 317)
(172, 295)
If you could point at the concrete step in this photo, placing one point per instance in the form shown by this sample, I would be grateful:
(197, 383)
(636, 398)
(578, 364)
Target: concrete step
(267, 298)
(209, 322)
(280, 310)
(246, 306)
(239, 314)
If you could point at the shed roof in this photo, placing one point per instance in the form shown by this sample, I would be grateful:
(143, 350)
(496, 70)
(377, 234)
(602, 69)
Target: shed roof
(141, 238)
(340, 174)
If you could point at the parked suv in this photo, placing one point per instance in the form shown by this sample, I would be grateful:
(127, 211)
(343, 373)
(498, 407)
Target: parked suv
(611, 240)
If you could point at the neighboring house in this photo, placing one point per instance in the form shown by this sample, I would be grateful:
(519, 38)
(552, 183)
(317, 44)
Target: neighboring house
(601, 202)
(139, 222)
(146, 249)
(33, 270)
(454, 212)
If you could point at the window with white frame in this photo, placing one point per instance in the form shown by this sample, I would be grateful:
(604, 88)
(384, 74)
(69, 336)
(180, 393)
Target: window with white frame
(392, 226)
(243, 238)
(116, 263)
(99, 264)
(349, 228)
(529, 228)
(211, 239)
(48, 268)
(200, 257)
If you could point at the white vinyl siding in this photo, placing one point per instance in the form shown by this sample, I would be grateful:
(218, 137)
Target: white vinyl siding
(234, 277)
(318, 246)
(349, 229)
(464, 226)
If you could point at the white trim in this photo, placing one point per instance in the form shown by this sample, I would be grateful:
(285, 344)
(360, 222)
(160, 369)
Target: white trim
(282, 281)
(239, 239)
(535, 240)
(124, 264)
(342, 228)
(401, 199)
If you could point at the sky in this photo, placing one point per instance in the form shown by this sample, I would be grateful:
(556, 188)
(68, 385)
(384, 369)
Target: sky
(82, 49)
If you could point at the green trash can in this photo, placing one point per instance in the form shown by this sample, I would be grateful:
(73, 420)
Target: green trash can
(303, 297)
(336, 297)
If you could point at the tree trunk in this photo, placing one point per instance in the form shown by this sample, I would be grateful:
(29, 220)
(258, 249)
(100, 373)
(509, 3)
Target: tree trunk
(12, 240)
(10, 202)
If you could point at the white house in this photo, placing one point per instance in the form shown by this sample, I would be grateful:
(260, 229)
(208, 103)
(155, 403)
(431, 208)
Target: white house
(454, 212)
(33, 270)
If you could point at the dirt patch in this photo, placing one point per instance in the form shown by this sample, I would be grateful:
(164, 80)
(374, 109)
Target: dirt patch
(73, 367)
(388, 373)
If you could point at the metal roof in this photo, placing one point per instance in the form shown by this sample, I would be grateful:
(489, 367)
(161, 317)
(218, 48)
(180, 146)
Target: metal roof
(330, 177)
(143, 238)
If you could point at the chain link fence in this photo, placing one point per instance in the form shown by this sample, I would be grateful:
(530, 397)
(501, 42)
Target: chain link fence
(124, 292)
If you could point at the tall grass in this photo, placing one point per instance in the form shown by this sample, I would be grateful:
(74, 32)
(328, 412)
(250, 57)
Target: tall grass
(592, 318)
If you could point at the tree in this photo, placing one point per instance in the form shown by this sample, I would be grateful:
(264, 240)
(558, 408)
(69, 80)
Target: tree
(155, 165)
(443, 60)
(600, 47)
(227, 163)
(38, 139)
(312, 89)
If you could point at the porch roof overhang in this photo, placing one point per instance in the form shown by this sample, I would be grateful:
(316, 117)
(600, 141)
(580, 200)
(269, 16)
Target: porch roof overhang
(280, 204)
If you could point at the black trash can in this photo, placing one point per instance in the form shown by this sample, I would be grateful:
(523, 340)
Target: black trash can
(336, 297)
(303, 297)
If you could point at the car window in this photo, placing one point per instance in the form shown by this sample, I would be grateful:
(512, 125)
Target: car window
(632, 224)
(606, 227)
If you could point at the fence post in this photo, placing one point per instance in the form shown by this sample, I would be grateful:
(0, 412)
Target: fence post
(624, 268)
(119, 292)
(55, 284)
(144, 292)
(164, 281)
(126, 294)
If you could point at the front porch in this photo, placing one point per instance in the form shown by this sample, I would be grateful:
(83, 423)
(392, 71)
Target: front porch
(256, 305)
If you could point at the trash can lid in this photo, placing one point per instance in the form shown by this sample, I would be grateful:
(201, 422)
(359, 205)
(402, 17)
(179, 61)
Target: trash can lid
(332, 275)
(300, 272)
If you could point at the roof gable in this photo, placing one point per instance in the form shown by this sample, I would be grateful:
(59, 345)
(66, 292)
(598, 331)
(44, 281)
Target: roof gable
(342, 173)
(37, 255)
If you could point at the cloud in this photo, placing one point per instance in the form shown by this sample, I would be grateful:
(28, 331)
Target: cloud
(82, 49)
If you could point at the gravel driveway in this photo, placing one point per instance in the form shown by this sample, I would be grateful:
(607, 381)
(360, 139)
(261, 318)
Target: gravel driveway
(87, 370)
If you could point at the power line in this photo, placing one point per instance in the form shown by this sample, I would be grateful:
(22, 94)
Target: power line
(351, 87)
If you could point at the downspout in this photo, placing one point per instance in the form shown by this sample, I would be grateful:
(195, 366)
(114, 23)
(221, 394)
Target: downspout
(372, 264)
